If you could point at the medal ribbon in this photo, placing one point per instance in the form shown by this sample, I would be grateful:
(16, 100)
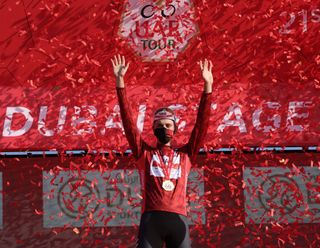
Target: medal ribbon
(166, 169)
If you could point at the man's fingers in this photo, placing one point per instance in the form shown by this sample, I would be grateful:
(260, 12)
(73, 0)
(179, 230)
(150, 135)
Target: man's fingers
(112, 63)
(119, 59)
(116, 59)
(205, 64)
(123, 60)
(210, 67)
(127, 66)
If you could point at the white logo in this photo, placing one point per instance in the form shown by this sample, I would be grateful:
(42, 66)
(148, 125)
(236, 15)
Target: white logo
(157, 171)
(156, 30)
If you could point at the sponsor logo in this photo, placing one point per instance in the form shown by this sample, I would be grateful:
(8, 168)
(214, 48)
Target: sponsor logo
(113, 198)
(156, 30)
(77, 198)
(91, 198)
(281, 194)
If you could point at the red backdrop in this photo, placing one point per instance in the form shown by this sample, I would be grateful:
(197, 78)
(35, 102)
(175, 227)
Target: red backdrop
(58, 92)
(223, 199)
(55, 57)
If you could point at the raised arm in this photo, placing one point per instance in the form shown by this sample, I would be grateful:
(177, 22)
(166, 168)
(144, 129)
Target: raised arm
(202, 122)
(133, 136)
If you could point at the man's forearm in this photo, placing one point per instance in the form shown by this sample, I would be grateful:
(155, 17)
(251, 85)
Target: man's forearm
(207, 88)
(120, 82)
(131, 131)
(200, 128)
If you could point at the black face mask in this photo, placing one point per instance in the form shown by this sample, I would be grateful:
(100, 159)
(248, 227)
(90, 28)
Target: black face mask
(163, 135)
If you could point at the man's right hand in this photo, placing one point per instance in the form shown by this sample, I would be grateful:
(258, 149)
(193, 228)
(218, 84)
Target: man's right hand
(119, 69)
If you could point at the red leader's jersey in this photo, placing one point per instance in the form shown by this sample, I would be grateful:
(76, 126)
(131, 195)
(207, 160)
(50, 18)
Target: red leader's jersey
(151, 172)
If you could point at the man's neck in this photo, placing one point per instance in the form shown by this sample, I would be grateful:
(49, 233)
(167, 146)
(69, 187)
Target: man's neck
(164, 145)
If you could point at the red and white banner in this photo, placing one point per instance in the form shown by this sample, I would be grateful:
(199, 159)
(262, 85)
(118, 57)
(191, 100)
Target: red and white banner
(58, 88)
(72, 122)
(234, 200)
(112, 198)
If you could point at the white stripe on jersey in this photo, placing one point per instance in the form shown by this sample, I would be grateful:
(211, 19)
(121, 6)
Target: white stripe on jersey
(157, 171)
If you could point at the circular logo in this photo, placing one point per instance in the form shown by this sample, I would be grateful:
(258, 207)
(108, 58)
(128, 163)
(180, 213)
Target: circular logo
(77, 198)
(280, 193)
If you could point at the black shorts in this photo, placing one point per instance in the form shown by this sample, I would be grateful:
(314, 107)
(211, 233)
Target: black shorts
(159, 227)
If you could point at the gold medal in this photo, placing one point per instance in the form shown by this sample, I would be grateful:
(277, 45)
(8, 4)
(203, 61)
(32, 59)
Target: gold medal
(167, 185)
